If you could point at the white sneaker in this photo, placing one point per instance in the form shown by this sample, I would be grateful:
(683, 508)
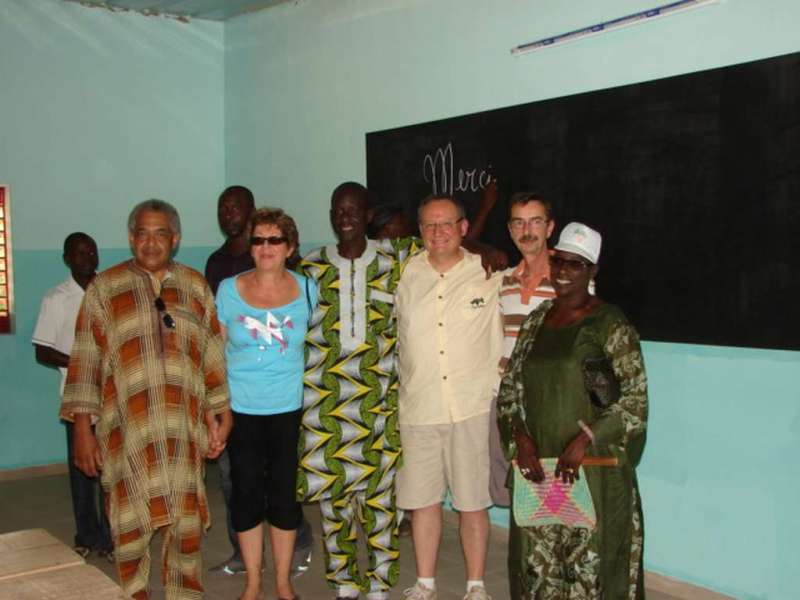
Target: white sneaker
(477, 592)
(419, 592)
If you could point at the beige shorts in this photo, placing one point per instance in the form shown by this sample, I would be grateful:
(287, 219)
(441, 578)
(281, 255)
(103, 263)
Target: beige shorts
(441, 457)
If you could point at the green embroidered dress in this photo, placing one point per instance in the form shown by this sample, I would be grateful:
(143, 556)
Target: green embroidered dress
(543, 393)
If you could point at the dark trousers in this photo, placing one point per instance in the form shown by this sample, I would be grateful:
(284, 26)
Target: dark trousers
(305, 537)
(263, 454)
(224, 464)
(88, 505)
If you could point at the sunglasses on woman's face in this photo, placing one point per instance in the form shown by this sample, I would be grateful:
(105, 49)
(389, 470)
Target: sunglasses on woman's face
(272, 240)
(570, 264)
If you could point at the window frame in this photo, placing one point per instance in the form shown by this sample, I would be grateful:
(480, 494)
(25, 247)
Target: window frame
(6, 263)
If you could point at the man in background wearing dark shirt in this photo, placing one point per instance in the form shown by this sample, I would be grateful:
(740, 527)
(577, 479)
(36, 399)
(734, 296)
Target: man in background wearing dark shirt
(233, 257)
(234, 207)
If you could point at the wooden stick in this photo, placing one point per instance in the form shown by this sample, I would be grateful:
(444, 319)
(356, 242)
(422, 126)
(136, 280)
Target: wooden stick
(600, 461)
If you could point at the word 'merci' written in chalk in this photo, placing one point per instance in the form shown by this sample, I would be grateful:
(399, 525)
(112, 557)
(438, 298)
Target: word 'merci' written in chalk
(438, 169)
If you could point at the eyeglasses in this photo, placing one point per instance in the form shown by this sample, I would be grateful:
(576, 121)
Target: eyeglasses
(518, 223)
(169, 322)
(272, 240)
(445, 226)
(568, 263)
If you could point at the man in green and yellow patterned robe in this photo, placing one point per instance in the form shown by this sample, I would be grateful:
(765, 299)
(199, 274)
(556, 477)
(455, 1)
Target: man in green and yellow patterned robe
(350, 446)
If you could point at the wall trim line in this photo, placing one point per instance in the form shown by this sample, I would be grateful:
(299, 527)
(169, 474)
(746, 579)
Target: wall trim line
(33, 472)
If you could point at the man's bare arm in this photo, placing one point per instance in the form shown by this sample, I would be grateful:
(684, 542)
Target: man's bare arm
(50, 357)
(487, 203)
(86, 450)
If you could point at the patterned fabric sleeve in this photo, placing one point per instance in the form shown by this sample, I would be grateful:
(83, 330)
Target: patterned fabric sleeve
(82, 391)
(217, 397)
(310, 288)
(403, 249)
(391, 431)
(307, 268)
(510, 398)
(627, 417)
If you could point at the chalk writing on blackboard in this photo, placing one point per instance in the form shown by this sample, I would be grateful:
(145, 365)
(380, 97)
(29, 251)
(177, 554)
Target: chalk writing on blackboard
(439, 169)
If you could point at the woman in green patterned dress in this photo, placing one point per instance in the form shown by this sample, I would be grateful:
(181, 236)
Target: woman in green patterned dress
(550, 406)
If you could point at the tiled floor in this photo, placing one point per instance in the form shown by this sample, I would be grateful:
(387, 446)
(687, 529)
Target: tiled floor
(44, 502)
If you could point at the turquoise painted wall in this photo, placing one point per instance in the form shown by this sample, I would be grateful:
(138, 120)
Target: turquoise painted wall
(304, 83)
(98, 111)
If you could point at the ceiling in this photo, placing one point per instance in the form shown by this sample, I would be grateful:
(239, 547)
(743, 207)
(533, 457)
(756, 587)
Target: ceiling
(214, 10)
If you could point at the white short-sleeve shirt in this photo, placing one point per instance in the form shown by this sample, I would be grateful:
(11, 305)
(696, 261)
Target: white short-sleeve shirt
(55, 327)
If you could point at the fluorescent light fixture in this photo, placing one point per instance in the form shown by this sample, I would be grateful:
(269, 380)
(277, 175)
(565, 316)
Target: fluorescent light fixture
(626, 21)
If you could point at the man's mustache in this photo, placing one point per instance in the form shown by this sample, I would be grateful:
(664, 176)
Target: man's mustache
(529, 238)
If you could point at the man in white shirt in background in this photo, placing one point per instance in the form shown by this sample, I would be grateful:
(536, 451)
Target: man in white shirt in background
(52, 339)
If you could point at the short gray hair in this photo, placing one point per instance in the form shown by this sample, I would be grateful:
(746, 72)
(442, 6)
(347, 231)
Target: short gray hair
(155, 205)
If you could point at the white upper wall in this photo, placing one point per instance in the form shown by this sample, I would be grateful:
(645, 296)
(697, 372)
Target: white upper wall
(305, 81)
(100, 110)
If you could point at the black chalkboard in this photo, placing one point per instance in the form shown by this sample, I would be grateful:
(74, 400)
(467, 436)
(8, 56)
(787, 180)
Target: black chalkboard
(693, 181)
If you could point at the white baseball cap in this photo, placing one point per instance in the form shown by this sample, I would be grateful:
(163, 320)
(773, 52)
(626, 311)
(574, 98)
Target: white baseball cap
(582, 240)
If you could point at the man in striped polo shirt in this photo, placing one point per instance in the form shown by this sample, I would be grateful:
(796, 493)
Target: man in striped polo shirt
(524, 287)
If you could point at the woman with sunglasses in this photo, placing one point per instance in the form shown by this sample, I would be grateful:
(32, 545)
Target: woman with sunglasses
(575, 389)
(264, 314)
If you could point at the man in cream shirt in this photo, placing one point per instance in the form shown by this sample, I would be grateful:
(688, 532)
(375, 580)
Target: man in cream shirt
(449, 342)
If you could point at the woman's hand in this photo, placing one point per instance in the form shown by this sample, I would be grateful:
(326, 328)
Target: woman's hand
(527, 461)
(219, 427)
(570, 460)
